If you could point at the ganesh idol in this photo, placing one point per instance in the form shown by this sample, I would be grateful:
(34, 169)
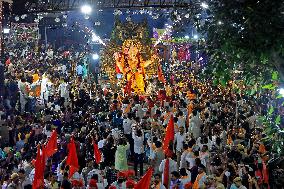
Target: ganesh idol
(130, 63)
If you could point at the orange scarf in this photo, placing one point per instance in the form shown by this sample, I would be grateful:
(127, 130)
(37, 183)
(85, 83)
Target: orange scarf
(158, 186)
(196, 182)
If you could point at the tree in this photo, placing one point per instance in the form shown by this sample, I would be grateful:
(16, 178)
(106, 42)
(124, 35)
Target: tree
(246, 35)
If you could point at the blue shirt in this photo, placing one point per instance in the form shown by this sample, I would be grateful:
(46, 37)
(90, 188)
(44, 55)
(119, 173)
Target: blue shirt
(79, 70)
(176, 183)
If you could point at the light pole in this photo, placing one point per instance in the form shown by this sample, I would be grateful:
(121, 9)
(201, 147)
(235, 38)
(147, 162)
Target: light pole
(2, 64)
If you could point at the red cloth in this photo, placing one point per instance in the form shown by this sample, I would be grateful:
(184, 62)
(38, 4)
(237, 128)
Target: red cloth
(170, 135)
(127, 88)
(167, 173)
(145, 181)
(8, 62)
(162, 95)
(265, 173)
(72, 159)
(117, 69)
(97, 153)
(77, 183)
(93, 183)
(130, 183)
(38, 181)
(51, 146)
(121, 174)
(161, 77)
(129, 173)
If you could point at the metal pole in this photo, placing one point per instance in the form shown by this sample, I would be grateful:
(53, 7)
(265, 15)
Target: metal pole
(45, 36)
(2, 65)
(2, 59)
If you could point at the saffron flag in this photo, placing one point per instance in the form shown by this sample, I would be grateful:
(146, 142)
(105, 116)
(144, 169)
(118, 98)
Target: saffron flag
(38, 181)
(51, 146)
(169, 137)
(167, 173)
(72, 159)
(145, 181)
(97, 153)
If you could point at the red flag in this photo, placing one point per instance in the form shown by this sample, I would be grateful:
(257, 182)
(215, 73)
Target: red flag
(51, 146)
(161, 77)
(117, 69)
(38, 181)
(145, 181)
(72, 159)
(97, 153)
(167, 173)
(170, 135)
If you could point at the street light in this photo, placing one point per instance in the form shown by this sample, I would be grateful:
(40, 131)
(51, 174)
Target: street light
(281, 92)
(6, 30)
(96, 56)
(95, 37)
(186, 37)
(195, 36)
(86, 9)
(204, 5)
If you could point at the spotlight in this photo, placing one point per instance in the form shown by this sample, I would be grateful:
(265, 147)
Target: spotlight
(86, 9)
(6, 30)
(195, 36)
(281, 92)
(95, 37)
(204, 5)
(95, 56)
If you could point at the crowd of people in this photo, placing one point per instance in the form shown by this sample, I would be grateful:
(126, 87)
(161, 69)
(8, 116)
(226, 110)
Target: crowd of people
(217, 141)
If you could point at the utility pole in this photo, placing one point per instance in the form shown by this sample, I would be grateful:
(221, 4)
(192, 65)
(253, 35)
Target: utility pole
(2, 60)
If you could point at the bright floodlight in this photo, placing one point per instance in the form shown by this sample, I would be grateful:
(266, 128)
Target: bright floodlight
(186, 37)
(195, 36)
(86, 9)
(6, 30)
(204, 5)
(95, 37)
(281, 92)
(96, 56)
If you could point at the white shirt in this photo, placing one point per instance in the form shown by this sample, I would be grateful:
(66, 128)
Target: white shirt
(138, 143)
(127, 126)
(63, 89)
(101, 143)
(173, 167)
(63, 69)
(181, 121)
(179, 140)
(43, 85)
(46, 132)
(95, 172)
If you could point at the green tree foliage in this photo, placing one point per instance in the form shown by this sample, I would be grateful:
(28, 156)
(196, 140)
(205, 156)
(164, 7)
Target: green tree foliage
(245, 35)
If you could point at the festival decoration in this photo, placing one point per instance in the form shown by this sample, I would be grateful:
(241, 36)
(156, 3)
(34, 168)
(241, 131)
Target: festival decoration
(24, 33)
(129, 53)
